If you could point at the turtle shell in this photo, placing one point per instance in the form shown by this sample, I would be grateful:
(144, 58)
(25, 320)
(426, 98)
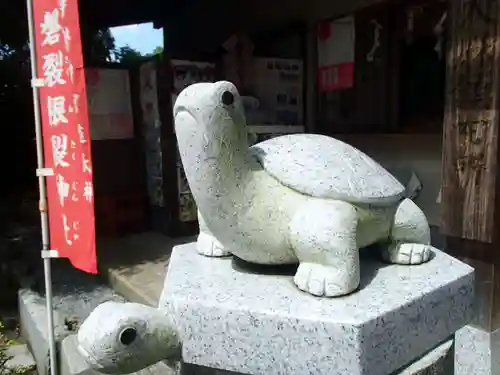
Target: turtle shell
(324, 167)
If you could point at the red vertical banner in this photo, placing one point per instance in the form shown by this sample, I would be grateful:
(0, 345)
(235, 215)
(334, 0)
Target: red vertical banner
(65, 128)
(336, 54)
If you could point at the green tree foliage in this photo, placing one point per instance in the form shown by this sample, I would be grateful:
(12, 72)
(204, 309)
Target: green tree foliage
(127, 55)
(130, 56)
(158, 51)
(102, 46)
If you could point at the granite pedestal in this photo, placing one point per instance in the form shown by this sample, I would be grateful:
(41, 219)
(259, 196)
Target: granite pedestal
(253, 320)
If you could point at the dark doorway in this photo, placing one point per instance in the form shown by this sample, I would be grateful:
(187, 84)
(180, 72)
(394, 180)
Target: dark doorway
(422, 72)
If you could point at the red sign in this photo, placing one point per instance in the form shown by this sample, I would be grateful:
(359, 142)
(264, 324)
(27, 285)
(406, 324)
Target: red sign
(336, 77)
(63, 107)
(336, 52)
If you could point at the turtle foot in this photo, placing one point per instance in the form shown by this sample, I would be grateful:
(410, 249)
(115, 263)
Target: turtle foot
(407, 253)
(208, 246)
(325, 281)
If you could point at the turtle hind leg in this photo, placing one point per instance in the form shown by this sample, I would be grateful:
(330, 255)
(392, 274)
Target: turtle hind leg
(410, 237)
(207, 244)
(323, 236)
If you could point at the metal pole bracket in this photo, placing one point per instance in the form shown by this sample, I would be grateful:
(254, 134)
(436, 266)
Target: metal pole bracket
(44, 172)
(50, 254)
(37, 82)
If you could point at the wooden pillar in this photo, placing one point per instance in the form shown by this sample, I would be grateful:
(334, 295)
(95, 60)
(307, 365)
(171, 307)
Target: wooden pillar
(470, 181)
(470, 144)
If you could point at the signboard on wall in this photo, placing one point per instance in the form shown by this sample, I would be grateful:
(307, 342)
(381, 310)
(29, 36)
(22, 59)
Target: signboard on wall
(110, 107)
(65, 128)
(336, 54)
(277, 84)
(185, 73)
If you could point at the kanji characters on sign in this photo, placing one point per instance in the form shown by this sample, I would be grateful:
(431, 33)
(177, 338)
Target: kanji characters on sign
(88, 191)
(56, 107)
(86, 164)
(53, 69)
(70, 70)
(51, 28)
(65, 131)
(62, 6)
(74, 191)
(67, 38)
(74, 107)
(60, 150)
(62, 189)
(81, 133)
(70, 230)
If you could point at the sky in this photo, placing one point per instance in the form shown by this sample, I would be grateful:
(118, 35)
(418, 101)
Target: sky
(142, 37)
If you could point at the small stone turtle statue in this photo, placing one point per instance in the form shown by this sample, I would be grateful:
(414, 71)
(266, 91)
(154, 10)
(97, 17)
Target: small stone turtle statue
(301, 198)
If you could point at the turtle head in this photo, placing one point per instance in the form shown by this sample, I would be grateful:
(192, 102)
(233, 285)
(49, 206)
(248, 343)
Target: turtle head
(214, 108)
(121, 338)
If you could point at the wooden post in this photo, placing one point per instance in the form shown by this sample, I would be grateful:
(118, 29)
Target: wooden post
(470, 142)
(470, 181)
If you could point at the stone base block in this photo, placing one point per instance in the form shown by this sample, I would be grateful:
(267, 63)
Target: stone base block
(236, 317)
(439, 361)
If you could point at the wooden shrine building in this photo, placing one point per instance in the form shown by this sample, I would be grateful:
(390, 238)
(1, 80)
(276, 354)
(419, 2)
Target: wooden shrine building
(426, 76)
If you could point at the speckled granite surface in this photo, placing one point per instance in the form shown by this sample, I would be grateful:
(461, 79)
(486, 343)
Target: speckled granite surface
(232, 317)
(473, 352)
(437, 362)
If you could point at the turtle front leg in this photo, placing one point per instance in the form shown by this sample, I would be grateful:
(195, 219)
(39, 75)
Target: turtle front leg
(207, 244)
(410, 236)
(323, 236)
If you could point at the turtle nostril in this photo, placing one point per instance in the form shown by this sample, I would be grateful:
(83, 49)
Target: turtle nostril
(127, 336)
(227, 98)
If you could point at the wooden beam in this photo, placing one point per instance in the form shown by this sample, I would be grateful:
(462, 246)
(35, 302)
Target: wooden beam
(470, 144)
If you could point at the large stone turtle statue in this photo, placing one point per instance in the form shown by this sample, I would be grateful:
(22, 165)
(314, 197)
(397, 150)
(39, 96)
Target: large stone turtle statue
(301, 198)
(306, 199)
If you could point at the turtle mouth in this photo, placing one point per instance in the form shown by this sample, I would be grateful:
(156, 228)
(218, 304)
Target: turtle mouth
(183, 118)
(181, 109)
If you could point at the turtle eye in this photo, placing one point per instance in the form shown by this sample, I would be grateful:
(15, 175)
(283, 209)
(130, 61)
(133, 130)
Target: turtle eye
(227, 98)
(127, 336)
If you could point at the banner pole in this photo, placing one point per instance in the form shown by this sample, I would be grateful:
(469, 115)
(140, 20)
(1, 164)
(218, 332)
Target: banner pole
(43, 192)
